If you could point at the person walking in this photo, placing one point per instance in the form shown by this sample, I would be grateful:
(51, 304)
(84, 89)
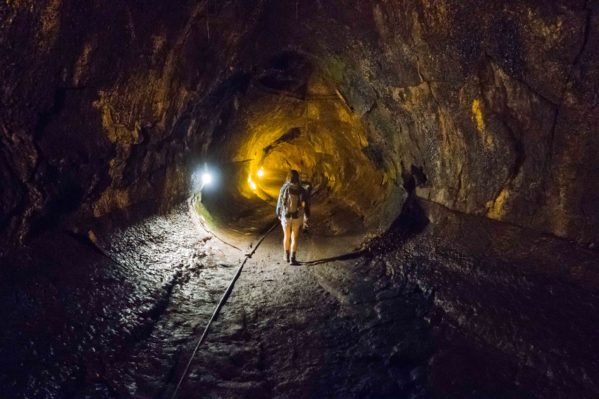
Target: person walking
(293, 210)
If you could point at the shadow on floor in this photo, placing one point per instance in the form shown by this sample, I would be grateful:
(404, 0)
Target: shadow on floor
(347, 256)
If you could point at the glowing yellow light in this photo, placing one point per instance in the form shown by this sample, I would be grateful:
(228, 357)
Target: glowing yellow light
(251, 183)
(260, 172)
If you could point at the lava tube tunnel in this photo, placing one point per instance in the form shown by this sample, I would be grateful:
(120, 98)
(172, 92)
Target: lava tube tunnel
(448, 151)
(291, 117)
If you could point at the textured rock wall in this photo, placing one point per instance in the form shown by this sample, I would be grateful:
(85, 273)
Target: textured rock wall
(491, 106)
(495, 102)
(98, 102)
(303, 124)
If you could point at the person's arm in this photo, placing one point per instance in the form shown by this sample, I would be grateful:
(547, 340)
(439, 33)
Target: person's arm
(279, 202)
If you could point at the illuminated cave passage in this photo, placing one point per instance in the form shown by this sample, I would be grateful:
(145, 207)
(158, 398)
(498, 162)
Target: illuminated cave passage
(290, 116)
(450, 148)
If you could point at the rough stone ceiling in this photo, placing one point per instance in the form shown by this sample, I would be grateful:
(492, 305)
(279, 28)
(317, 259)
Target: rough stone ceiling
(291, 117)
(492, 105)
(487, 104)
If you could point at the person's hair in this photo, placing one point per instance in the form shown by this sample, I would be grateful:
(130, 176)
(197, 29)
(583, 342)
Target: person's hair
(293, 177)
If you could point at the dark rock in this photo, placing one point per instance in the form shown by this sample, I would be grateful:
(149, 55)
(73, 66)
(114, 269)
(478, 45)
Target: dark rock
(458, 137)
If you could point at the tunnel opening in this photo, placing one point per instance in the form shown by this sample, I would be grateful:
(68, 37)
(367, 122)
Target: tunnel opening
(293, 117)
(455, 139)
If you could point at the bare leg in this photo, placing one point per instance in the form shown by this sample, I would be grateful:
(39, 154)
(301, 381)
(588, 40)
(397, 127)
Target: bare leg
(295, 230)
(286, 235)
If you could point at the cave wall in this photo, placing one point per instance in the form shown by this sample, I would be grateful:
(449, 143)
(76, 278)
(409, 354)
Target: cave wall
(494, 102)
(101, 104)
(301, 123)
(491, 106)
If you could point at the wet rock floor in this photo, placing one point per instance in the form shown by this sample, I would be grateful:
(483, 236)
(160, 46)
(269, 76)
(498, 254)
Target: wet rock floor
(407, 319)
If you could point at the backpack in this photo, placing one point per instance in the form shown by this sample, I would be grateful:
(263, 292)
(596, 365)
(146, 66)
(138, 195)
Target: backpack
(292, 201)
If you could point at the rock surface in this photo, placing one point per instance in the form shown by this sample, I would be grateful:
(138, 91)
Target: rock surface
(99, 104)
(82, 321)
(485, 111)
(494, 103)
(491, 107)
(413, 315)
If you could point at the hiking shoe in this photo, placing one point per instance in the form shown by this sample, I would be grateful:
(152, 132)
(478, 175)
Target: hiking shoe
(293, 260)
(287, 256)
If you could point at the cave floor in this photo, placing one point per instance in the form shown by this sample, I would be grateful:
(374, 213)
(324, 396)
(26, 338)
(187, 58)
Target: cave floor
(412, 317)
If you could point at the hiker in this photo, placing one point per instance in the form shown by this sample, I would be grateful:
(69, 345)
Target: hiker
(293, 210)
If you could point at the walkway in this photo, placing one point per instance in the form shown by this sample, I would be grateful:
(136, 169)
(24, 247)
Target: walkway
(449, 313)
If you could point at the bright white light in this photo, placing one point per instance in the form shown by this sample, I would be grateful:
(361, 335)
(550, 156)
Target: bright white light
(260, 172)
(206, 178)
